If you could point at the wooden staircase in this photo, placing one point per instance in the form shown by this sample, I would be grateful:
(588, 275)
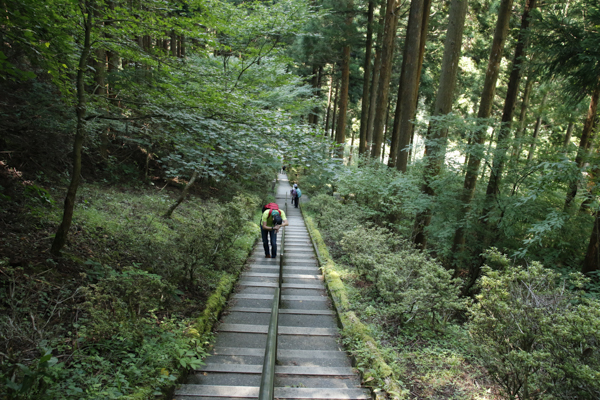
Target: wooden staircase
(309, 361)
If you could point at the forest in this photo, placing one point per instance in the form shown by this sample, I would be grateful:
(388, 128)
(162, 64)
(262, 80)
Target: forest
(447, 150)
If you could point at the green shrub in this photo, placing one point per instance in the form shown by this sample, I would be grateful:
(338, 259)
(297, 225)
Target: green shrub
(116, 302)
(411, 286)
(334, 217)
(209, 244)
(537, 338)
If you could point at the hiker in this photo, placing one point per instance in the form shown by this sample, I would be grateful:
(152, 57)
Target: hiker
(296, 193)
(272, 220)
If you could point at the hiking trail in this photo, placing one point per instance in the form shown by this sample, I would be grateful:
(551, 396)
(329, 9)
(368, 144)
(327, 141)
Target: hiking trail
(310, 363)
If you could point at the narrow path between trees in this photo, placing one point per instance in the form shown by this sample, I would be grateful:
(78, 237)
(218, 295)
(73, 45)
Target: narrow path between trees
(310, 363)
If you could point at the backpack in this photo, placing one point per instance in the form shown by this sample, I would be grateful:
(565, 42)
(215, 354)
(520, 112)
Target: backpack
(270, 206)
(298, 192)
(294, 193)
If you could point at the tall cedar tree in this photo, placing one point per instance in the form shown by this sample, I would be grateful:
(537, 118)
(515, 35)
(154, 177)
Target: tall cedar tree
(364, 112)
(435, 145)
(485, 108)
(387, 55)
(340, 133)
(409, 82)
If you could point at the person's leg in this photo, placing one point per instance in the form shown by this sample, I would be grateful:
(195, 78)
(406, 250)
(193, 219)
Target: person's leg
(273, 235)
(265, 240)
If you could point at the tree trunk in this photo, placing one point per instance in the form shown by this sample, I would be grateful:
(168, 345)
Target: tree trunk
(374, 87)
(61, 234)
(520, 133)
(335, 102)
(364, 112)
(536, 131)
(351, 148)
(592, 257)
(173, 44)
(485, 108)
(493, 187)
(314, 81)
(568, 135)
(387, 53)
(583, 145)
(329, 98)
(408, 89)
(435, 144)
(340, 133)
(184, 193)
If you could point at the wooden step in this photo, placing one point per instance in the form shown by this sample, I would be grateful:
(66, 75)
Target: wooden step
(281, 353)
(279, 370)
(282, 330)
(249, 392)
(282, 311)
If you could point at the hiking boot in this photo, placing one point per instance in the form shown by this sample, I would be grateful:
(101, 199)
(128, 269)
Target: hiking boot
(268, 256)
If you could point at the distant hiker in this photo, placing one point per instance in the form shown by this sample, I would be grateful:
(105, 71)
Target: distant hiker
(296, 193)
(283, 169)
(272, 219)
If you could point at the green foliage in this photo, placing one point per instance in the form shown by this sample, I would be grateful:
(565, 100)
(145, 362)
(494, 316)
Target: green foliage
(411, 287)
(39, 194)
(376, 366)
(118, 300)
(328, 212)
(209, 245)
(567, 39)
(537, 338)
(35, 377)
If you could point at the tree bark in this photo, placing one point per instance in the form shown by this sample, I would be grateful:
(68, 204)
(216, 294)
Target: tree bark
(340, 133)
(387, 53)
(435, 144)
(61, 234)
(184, 193)
(536, 130)
(520, 133)
(583, 145)
(173, 44)
(592, 256)
(364, 112)
(374, 86)
(329, 98)
(493, 187)
(409, 85)
(313, 116)
(335, 103)
(568, 135)
(485, 108)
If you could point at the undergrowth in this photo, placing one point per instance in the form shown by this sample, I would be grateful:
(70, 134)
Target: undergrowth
(527, 329)
(116, 316)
